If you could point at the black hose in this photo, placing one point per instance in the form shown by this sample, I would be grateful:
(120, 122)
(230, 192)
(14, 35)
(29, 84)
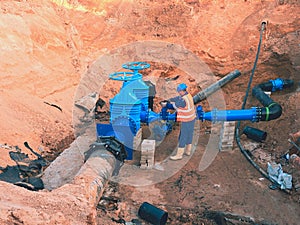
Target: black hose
(264, 173)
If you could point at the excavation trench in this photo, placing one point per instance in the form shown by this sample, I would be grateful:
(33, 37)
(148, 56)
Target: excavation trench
(70, 172)
(75, 174)
(84, 177)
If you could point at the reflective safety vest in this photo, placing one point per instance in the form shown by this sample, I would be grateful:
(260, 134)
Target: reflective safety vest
(188, 113)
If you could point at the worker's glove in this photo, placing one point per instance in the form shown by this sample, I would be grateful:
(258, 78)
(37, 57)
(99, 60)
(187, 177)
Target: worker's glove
(164, 103)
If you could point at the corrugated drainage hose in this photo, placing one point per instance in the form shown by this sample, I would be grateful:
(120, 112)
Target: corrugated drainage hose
(245, 153)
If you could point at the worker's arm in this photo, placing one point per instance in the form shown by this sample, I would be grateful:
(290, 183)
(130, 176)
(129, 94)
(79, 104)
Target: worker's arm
(178, 102)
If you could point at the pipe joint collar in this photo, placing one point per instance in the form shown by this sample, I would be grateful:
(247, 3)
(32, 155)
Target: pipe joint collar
(273, 111)
(200, 112)
(258, 114)
(277, 84)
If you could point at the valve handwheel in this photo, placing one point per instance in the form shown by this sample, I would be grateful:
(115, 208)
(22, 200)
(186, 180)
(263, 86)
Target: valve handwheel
(125, 76)
(135, 66)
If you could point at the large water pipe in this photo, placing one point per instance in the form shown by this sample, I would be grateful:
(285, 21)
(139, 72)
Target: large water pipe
(79, 180)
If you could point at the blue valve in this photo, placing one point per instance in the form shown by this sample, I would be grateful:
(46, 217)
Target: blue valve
(136, 66)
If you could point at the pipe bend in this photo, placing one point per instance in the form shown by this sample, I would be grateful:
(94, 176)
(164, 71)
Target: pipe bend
(259, 94)
(267, 86)
(272, 109)
(271, 112)
(275, 110)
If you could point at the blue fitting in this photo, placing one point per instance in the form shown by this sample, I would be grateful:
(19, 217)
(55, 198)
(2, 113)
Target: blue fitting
(277, 84)
(171, 117)
(164, 113)
(144, 116)
(200, 112)
(151, 116)
(169, 106)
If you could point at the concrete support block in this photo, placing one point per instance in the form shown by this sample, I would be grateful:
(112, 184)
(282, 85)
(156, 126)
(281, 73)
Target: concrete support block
(227, 136)
(147, 154)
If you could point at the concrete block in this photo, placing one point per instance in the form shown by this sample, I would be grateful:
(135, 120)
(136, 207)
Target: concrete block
(147, 154)
(148, 145)
(227, 136)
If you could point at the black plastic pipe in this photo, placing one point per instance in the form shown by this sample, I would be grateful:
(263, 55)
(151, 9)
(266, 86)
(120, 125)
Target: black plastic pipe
(272, 109)
(237, 136)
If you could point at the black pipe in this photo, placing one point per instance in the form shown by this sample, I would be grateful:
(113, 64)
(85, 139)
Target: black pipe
(272, 109)
(272, 112)
(243, 150)
(214, 87)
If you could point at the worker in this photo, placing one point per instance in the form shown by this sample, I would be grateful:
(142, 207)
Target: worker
(186, 114)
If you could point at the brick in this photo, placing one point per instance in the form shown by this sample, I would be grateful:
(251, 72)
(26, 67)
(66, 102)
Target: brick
(227, 136)
(148, 145)
(147, 154)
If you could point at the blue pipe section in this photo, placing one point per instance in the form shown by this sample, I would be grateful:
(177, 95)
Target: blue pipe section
(150, 116)
(171, 117)
(228, 115)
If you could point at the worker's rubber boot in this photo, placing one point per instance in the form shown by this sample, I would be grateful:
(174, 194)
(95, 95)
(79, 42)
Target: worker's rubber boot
(188, 150)
(178, 155)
